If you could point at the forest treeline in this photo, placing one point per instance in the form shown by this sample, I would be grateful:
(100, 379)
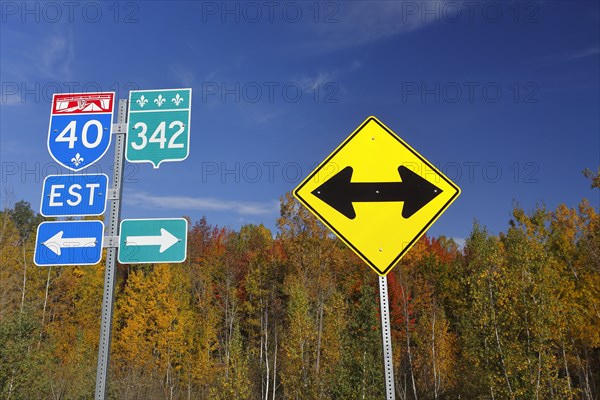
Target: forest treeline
(295, 315)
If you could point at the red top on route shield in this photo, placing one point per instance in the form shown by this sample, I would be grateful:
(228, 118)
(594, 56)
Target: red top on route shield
(82, 103)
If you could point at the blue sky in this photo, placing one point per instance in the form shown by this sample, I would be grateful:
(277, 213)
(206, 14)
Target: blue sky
(502, 96)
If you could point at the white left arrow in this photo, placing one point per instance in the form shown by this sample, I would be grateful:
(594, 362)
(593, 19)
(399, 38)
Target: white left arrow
(165, 240)
(56, 242)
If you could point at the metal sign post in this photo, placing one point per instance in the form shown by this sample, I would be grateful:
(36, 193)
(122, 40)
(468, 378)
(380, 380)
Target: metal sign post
(111, 242)
(386, 337)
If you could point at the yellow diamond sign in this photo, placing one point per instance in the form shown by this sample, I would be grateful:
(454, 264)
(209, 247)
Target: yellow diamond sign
(377, 194)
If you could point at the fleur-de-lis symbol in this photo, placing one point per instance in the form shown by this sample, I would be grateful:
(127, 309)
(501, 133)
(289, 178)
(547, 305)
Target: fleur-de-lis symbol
(159, 100)
(77, 159)
(177, 100)
(142, 101)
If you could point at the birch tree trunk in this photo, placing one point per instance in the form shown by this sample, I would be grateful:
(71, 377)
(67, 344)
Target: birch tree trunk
(275, 367)
(498, 343)
(407, 332)
(319, 334)
(435, 375)
(45, 305)
(23, 289)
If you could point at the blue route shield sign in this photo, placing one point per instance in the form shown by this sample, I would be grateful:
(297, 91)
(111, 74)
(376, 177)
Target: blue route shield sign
(80, 128)
(69, 243)
(71, 195)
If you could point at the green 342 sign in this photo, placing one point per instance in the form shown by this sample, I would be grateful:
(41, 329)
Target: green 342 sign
(159, 126)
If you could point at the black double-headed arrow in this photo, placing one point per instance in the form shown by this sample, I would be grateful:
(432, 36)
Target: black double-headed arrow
(339, 193)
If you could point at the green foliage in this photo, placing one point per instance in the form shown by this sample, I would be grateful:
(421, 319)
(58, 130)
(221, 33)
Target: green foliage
(25, 219)
(360, 371)
(23, 365)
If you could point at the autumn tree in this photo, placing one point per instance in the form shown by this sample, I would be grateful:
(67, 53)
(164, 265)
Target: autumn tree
(313, 261)
(153, 324)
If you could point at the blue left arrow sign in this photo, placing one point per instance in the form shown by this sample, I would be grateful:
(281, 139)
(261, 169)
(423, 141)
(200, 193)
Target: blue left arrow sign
(70, 195)
(69, 243)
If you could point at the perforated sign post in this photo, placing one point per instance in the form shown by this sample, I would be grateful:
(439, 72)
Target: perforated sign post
(112, 232)
(80, 128)
(379, 196)
(159, 126)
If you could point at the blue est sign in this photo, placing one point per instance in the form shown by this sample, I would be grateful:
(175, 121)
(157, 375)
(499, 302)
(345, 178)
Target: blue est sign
(69, 243)
(80, 128)
(71, 195)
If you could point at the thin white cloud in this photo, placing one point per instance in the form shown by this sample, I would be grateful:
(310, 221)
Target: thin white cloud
(183, 74)
(56, 54)
(317, 83)
(590, 51)
(261, 114)
(200, 204)
(360, 22)
(10, 99)
(565, 57)
(48, 58)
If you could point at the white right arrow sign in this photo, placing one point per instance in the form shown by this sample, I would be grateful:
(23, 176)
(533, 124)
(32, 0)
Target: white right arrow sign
(153, 240)
(165, 240)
